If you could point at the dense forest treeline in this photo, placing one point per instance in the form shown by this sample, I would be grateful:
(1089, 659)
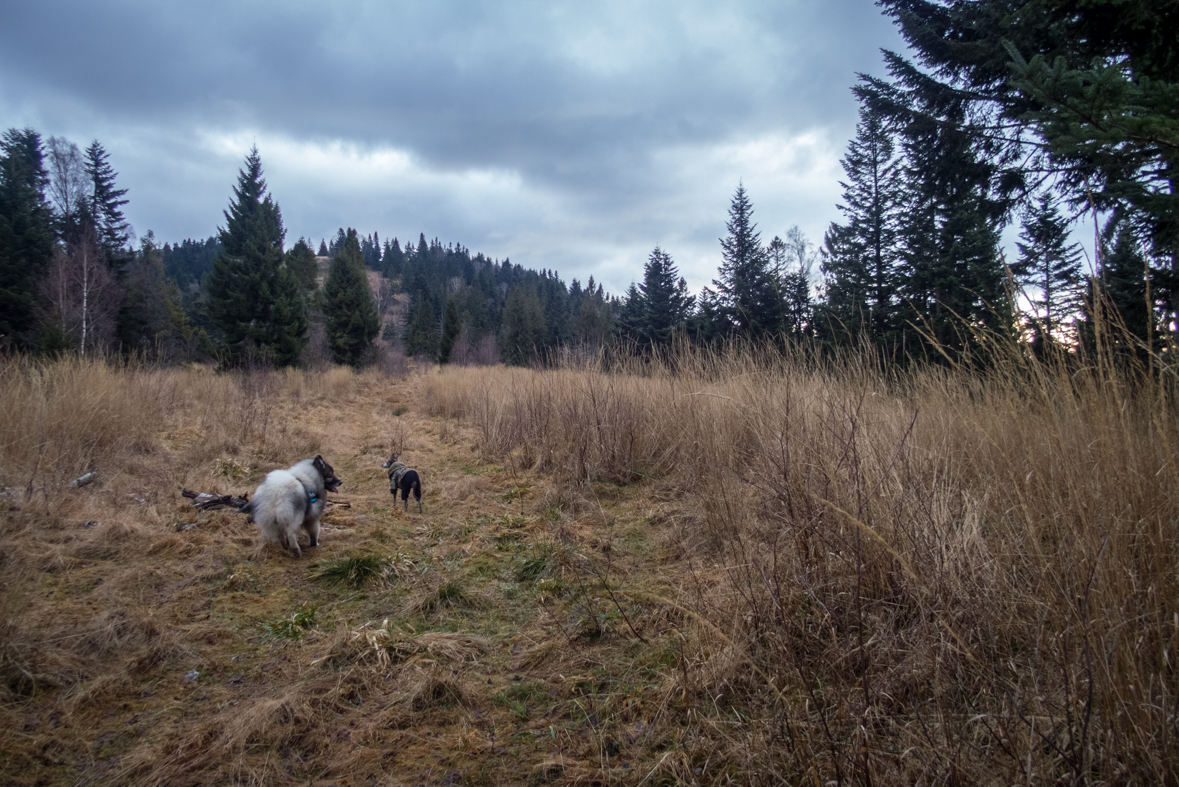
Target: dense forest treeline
(1007, 114)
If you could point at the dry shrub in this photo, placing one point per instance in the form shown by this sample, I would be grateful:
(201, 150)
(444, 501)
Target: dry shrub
(393, 362)
(932, 572)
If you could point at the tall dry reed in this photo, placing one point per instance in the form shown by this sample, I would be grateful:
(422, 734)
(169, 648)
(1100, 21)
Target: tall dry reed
(64, 418)
(928, 576)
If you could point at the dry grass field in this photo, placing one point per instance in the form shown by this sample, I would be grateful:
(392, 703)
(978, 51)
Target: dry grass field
(746, 570)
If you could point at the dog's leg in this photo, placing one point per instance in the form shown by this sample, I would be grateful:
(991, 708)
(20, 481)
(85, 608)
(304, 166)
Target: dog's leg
(293, 543)
(313, 532)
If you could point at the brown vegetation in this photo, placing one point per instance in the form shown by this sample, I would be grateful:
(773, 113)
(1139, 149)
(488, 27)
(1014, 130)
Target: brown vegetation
(749, 569)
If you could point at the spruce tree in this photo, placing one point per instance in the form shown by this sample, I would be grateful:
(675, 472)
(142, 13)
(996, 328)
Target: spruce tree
(337, 243)
(951, 277)
(860, 256)
(631, 318)
(554, 303)
(591, 323)
(350, 316)
(254, 300)
(745, 289)
(708, 324)
(106, 203)
(522, 333)
(1119, 301)
(392, 260)
(323, 249)
(300, 261)
(666, 303)
(1124, 274)
(1096, 82)
(370, 249)
(150, 320)
(1050, 266)
(26, 235)
(451, 326)
(422, 337)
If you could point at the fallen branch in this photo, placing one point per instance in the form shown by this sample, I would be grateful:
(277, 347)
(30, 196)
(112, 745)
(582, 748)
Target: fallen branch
(205, 501)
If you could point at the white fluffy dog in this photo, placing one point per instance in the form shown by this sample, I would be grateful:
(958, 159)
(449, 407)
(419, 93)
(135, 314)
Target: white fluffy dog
(290, 499)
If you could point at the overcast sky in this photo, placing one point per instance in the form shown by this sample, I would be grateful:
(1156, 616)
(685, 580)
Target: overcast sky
(568, 136)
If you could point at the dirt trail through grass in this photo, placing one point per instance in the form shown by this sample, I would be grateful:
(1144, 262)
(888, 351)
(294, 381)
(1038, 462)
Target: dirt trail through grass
(503, 636)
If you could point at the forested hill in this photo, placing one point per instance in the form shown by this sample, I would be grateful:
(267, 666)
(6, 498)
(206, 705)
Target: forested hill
(521, 312)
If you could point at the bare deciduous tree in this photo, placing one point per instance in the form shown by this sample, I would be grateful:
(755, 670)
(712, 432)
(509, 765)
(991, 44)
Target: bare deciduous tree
(67, 178)
(383, 296)
(82, 293)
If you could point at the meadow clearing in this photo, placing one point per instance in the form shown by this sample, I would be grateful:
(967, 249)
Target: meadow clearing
(741, 568)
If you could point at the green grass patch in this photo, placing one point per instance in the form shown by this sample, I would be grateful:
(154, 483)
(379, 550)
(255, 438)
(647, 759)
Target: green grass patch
(483, 565)
(356, 571)
(508, 540)
(515, 493)
(547, 561)
(291, 627)
(520, 698)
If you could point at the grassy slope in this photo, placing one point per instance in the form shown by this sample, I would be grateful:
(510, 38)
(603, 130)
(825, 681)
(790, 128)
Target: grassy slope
(513, 663)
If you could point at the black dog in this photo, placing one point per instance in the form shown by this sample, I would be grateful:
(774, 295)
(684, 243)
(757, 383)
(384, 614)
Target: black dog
(401, 477)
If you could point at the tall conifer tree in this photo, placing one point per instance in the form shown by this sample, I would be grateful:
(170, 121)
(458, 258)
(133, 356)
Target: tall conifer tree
(392, 260)
(254, 300)
(952, 279)
(26, 235)
(451, 326)
(106, 203)
(350, 316)
(423, 334)
(1120, 295)
(1087, 90)
(629, 324)
(1050, 265)
(522, 333)
(666, 303)
(300, 261)
(860, 256)
(745, 288)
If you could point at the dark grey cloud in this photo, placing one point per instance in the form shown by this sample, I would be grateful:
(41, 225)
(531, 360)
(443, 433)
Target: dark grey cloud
(568, 135)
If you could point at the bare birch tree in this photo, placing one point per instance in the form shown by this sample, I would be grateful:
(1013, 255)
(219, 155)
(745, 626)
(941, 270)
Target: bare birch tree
(68, 181)
(82, 293)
